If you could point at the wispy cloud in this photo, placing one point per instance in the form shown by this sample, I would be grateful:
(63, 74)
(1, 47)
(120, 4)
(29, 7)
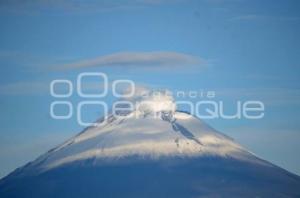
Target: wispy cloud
(24, 88)
(27, 61)
(256, 17)
(270, 96)
(43, 88)
(19, 57)
(137, 59)
(36, 6)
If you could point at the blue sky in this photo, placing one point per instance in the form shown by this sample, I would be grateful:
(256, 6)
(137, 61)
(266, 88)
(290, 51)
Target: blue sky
(240, 49)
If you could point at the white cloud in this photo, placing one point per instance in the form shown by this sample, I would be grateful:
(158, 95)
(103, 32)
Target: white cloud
(138, 59)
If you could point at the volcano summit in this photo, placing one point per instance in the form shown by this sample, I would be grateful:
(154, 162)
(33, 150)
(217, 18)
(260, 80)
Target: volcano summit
(152, 151)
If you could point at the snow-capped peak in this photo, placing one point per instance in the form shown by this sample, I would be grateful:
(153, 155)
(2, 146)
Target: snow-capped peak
(152, 129)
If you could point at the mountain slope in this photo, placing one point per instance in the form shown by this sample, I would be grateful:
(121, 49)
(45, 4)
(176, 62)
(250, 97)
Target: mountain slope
(156, 152)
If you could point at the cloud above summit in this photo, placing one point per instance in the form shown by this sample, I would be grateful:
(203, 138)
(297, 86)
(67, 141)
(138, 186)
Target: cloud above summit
(159, 59)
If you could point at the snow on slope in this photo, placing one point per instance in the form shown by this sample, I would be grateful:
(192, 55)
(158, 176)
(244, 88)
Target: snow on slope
(153, 129)
(150, 151)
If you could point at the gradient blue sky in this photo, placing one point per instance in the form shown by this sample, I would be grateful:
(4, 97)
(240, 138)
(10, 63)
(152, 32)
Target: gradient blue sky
(248, 50)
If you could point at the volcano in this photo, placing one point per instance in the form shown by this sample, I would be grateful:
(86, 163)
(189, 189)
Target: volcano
(150, 151)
